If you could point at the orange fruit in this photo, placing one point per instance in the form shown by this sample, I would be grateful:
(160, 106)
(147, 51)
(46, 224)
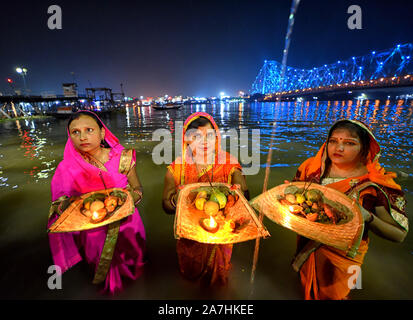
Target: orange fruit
(211, 208)
(96, 205)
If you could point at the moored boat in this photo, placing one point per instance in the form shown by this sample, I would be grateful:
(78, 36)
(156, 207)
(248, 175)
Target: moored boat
(167, 106)
(67, 111)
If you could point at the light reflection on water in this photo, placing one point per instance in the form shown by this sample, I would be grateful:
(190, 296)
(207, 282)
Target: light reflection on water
(33, 148)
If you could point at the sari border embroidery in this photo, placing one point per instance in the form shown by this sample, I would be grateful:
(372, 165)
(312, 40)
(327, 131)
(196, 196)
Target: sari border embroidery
(304, 254)
(107, 252)
(400, 219)
(397, 216)
(125, 164)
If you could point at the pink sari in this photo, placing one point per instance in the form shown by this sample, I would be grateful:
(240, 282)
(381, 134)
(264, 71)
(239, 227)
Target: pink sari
(73, 177)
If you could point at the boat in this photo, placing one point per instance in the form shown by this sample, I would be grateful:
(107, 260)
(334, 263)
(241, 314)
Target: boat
(167, 106)
(66, 112)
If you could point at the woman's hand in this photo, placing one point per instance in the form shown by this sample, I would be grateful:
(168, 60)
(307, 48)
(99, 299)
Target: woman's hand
(175, 196)
(61, 204)
(367, 215)
(238, 179)
(236, 186)
(134, 185)
(170, 194)
(136, 194)
(385, 226)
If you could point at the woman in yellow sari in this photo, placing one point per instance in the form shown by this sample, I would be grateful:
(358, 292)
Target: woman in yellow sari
(348, 162)
(202, 160)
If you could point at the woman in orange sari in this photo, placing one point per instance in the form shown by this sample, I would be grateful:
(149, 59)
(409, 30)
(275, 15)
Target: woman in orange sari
(348, 162)
(202, 160)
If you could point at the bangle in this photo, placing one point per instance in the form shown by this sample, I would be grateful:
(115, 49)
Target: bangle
(138, 192)
(371, 220)
(172, 201)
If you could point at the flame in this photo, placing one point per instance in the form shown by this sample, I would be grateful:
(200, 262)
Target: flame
(95, 215)
(212, 222)
(291, 208)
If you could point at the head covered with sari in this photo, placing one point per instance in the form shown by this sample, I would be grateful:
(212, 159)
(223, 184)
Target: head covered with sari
(315, 168)
(185, 170)
(75, 176)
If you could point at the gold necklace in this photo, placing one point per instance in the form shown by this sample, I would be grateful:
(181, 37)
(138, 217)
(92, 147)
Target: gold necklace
(93, 160)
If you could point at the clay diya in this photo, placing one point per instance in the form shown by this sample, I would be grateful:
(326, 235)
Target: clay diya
(209, 224)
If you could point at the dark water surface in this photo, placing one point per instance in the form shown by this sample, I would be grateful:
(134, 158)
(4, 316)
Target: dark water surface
(31, 149)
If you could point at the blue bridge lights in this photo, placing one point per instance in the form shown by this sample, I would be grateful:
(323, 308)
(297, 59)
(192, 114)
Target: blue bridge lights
(394, 62)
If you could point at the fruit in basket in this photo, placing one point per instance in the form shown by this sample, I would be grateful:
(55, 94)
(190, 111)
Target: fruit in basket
(96, 205)
(87, 205)
(202, 194)
(313, 195)
(200, 203)
(312, 216)
(291, 198)
(111, 203)
(329, 212)
(299, 198)
(311, 205)
(219, 198)
(93, 204)
(314, 207)
(230, 201)
(211, 208)
(223, 197)
(291, 189)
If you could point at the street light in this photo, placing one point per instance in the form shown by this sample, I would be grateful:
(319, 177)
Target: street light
(22, 72)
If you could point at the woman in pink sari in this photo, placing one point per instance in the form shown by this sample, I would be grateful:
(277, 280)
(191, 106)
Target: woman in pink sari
(93, 160)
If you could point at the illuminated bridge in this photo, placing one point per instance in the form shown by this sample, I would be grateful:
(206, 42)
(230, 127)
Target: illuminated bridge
(378, 69)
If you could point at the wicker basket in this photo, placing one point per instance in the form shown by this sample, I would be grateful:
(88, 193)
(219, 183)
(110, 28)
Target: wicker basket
(187, 219)
(343, 236)
(73, 220)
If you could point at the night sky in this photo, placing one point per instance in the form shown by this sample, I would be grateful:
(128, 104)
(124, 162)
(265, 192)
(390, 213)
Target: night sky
(196, 48)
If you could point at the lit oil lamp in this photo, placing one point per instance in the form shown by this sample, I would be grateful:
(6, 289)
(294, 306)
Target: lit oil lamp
(295, 209)
(98, 215)
(209, 224)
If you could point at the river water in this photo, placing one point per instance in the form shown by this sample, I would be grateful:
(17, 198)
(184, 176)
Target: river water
(31, 149)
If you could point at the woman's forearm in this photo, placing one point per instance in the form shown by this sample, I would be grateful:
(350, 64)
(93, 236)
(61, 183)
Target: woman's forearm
(239, 178)
(167, 205)
(169, 193)
(387, 230)
(133, 180)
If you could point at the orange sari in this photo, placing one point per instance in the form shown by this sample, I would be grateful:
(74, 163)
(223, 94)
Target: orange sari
(208, 263)
(325, 271)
